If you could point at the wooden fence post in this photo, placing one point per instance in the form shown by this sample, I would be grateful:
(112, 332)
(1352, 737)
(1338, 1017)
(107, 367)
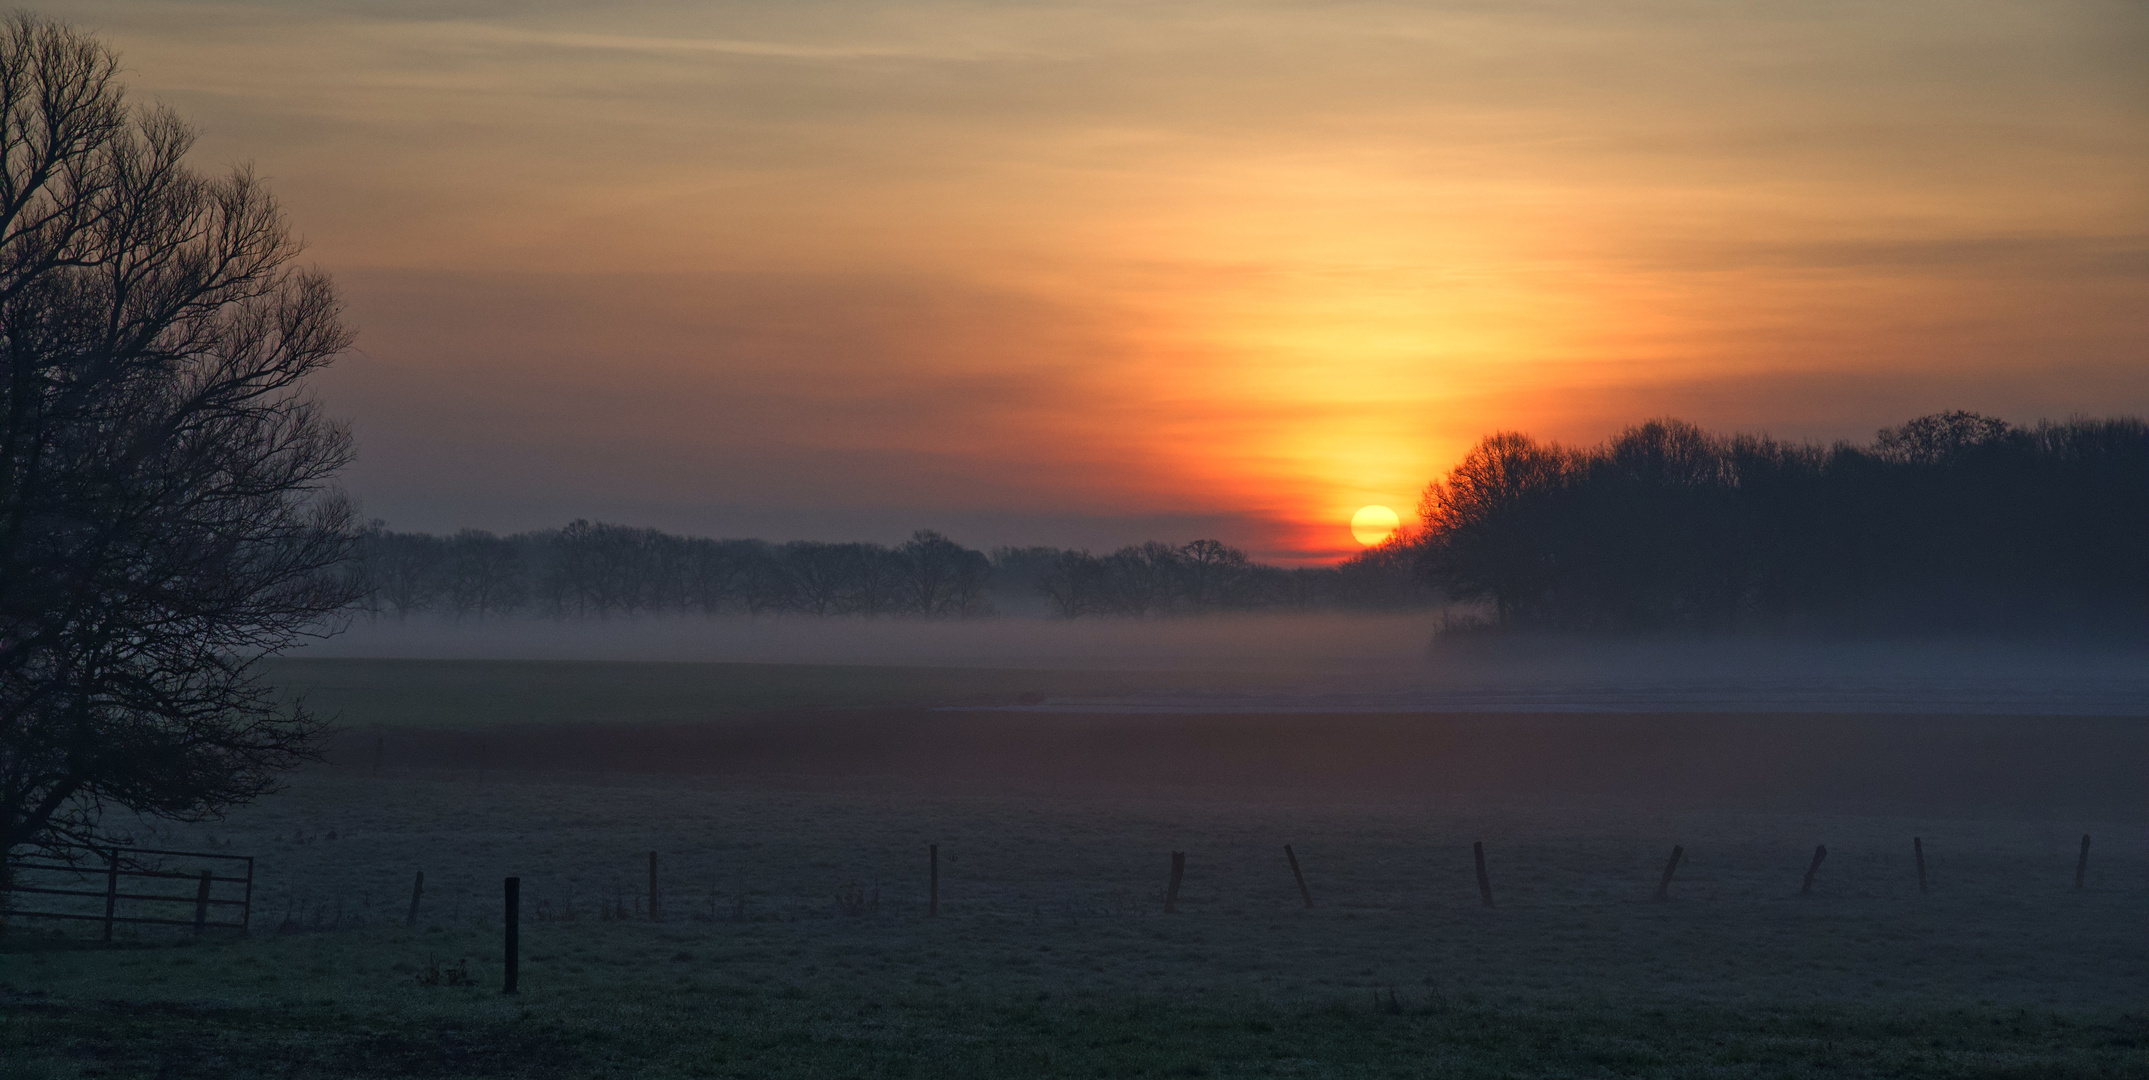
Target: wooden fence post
(2081, 863)
(1820, 854)
(514, 935)
(201, 904)
(417, 889)
(1171, 891)
(932, 888)
(1670, 866)
(653, 915)
(111, 892)
(1296, 876)
(1484, 882)
(1917, 847)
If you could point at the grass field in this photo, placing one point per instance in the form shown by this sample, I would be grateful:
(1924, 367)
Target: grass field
(464, 694)
(795, 940)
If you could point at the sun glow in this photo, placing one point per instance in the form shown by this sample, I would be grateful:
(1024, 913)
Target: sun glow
(1373, 524)
(1217, 276)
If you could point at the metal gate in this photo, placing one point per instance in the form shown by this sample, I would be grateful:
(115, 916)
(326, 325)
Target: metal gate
(47, 876)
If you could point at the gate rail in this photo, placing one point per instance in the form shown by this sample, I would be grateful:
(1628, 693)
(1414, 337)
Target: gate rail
(121, 863)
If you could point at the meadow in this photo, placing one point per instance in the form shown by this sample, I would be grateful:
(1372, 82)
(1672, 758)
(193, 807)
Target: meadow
(795, 938)
(472, 694)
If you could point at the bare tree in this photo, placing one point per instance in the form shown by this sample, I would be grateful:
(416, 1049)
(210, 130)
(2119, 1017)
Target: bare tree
(1940, 438)
(1212, 573)
(1144, 578)
(484, 574)
(717, 572)
(166, 512)
(944, 578)
(821, 575)
(881, 577)
(1485, 525)
(1073, 581)
(403, 570)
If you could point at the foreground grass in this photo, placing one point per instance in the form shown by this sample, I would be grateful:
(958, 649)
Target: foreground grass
(1051, 955)
(351, 1003)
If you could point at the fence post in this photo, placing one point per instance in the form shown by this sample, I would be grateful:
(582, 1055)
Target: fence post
(1171, 892)
(1296, 876)
(932, 889)
(1484, 882)
(201, 904)
(1917, 847)
(417, 889)
(111, 892)
(653, 914)
(1820, 855)
(2081, 863)
(1670, 866)
(514, 934)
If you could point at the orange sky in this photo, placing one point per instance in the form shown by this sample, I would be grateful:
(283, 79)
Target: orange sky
(1092, 273)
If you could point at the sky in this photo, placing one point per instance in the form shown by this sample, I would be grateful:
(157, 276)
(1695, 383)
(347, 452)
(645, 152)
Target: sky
(1087, 274)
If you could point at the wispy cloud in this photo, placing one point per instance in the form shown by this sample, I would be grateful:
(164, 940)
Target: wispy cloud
(684, 46)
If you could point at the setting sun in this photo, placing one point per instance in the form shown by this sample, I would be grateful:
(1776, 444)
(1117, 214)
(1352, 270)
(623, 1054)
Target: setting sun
(1373, 524)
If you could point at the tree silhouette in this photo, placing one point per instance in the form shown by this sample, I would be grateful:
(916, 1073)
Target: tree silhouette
(1953, 521)
(166, 517)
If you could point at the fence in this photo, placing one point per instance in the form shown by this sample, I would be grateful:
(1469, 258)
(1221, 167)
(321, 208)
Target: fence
(127, 863)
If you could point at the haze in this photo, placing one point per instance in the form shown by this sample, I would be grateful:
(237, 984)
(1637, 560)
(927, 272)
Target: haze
(1089, 274)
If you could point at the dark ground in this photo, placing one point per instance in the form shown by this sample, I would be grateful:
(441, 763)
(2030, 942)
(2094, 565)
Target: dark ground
(1051, 955)
(1978, 765)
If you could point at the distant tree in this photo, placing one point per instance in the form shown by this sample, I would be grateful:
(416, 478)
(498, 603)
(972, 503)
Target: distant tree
(600, 569)
(766, 586)
(822, 576)
(597, 570)
(1649, 537)
(1142, 579)
(880, 581)
(1073, 582)
(1210, 574)
(1949, 522)
(943, 577)
(404, 570)
(1791, 552)
(717, 572)
(1305, 588)
(1491, 525)
(1384, 576)
(484, 574)
(166, 514)
(1019, 574)
(2091, 510)
(1940, 438)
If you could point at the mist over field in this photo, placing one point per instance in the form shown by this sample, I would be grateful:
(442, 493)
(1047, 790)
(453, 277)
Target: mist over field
(1313, 642)
(1340, 661)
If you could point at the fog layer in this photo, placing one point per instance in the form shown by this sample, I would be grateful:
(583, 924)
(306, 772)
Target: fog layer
(1335, 662)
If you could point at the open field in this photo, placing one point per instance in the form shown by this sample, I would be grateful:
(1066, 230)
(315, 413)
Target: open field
(795, 940)
(465, 694)
(656, 669)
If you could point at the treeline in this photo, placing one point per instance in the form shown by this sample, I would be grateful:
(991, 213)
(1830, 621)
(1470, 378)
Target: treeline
(1207, 576)
(588, 569)
(1951, 521)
